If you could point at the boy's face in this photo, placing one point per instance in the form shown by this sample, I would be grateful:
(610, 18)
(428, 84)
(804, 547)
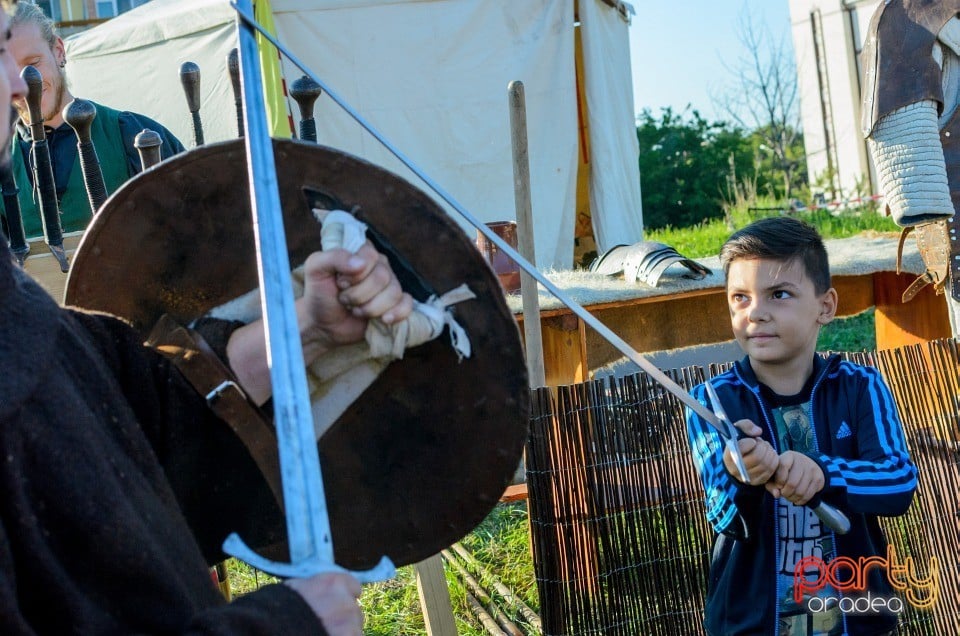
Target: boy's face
(775, 311)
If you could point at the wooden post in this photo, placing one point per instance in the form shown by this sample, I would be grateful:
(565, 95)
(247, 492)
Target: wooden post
(435, 597)
(521, 191)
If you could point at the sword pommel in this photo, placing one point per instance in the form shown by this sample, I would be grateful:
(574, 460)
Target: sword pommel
(148, 142)
(190, 78)
(306, 91)
(34, 81)
(80, 114)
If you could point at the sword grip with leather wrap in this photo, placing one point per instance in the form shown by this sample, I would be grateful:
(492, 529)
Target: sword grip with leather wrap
(42, 166)
(79, 114)
(11, 205)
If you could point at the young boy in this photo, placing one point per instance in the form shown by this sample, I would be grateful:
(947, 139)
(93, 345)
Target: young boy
(812, 428)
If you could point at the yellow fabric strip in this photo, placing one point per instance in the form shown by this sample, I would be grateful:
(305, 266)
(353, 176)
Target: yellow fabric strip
(278, 115)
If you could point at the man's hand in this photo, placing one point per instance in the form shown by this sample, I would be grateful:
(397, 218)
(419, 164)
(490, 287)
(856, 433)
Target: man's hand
(798, 478)
(333, 598)
(759, 458)
(342, 291)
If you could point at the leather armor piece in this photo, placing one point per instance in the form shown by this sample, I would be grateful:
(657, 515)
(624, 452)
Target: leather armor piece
(899, 69)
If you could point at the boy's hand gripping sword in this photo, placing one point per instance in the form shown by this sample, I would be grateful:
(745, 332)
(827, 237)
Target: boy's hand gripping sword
(831, 517)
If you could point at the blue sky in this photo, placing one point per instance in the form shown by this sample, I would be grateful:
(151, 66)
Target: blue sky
(678, 48)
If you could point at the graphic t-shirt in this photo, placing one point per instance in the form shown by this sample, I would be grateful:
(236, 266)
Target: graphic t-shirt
(801, 532)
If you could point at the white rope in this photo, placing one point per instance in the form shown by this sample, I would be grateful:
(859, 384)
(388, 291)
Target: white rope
(426, 321)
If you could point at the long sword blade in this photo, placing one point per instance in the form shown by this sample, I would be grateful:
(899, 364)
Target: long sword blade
(308, 523)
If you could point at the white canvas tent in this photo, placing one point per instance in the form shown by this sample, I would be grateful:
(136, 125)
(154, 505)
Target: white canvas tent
(432, 76)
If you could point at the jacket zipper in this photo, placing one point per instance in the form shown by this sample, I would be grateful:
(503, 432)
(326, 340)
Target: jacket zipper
(755, 390)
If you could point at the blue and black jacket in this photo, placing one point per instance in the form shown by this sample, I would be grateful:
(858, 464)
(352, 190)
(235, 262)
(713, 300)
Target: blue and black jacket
(861, 448)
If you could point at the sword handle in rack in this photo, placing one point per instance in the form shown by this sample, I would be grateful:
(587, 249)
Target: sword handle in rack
(305, 91)
(190, 79)
(233, 69)
(148, 143)
(79, 114)
(11, 205)
(43, 181)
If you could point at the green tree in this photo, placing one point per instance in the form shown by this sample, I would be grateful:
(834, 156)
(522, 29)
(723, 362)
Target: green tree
(685, 164)
(781, 172)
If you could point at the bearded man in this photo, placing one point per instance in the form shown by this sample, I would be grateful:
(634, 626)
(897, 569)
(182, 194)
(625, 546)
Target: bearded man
(35, 42)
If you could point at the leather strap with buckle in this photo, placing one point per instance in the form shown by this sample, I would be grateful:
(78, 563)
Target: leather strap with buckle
(211, 378)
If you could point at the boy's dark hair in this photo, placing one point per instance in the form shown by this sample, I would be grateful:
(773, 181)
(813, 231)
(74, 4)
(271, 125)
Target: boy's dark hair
(783, 239)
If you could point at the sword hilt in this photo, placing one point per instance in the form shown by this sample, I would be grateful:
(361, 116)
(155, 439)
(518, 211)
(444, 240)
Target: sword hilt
(79, 114)
(306, 91)
(233, 67)
(11, 204)
(148, 142)
(235, 547)
(43, 168)
(190, 78)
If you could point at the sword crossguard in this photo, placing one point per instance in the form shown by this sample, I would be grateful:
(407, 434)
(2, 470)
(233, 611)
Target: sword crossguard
(235, 547)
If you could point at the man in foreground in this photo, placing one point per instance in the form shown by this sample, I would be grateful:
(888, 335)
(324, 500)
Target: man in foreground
(113, 507)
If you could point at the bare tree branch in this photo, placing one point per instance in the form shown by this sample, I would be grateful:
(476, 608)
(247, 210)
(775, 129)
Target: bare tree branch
(763, 96)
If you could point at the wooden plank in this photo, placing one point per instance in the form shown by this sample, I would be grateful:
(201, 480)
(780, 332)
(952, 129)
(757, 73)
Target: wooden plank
(855, 294)
(516, 492)
(671, 323)
(435, 597)
(924, 318)
(675, 321)
(45, 269)
(564, 350)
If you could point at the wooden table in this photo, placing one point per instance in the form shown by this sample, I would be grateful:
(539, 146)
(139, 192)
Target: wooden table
(45, 269)
(682, 313)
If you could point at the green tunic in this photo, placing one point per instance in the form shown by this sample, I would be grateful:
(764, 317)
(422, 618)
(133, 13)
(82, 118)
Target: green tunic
(75, 212)
(113, 133)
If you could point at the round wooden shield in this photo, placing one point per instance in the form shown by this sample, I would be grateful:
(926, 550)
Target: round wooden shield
(425, 453)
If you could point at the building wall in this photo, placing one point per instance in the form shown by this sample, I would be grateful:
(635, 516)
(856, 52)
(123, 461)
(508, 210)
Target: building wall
(827, 39)
(79, 11)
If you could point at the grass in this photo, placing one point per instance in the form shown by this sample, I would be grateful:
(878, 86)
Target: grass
(501, 542)
(706, 238)
(392, 608)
